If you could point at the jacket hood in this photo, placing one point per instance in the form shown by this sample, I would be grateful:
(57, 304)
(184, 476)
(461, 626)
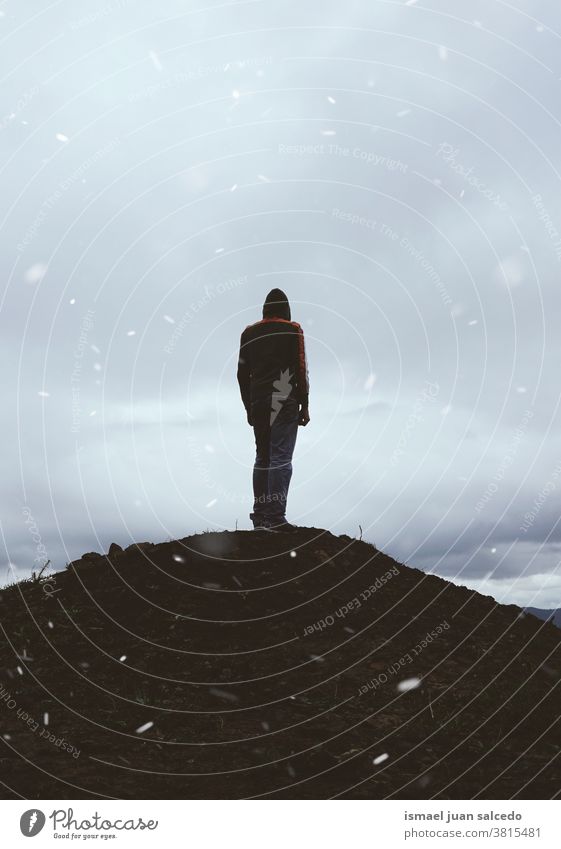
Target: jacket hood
(276, 305)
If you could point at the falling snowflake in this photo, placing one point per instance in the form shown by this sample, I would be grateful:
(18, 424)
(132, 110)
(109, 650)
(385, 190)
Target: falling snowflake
(331, 99)
(380, 759)
(178, 558)
(155, 60)
(234, 187)
(131, 332)
(369, 382)
(293, 554)
(442, 53)
(212, 503)
(509, 272)
(328, 133)
(144, 727)
(44, 394)
(222, 694)
(472, 323)
(50, 624)
(169, 319)
(35, 273)
(45, 719)
(20, 670)
(72, 300)
(61, 137)
(408, 684)
(123, 658)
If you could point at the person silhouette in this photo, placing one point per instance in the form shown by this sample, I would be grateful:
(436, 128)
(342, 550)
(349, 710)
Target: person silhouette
(274, 386)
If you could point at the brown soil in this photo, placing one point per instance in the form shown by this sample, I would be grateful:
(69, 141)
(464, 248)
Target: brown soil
(248, 699)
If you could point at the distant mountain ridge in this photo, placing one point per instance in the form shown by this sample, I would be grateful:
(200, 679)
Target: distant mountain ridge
(548, 615)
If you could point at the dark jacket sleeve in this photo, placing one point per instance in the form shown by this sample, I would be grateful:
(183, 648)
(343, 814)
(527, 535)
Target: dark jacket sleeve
(303, 380)
(244, 372)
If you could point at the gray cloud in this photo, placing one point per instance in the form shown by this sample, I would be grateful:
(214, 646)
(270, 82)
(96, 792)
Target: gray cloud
(164, 167)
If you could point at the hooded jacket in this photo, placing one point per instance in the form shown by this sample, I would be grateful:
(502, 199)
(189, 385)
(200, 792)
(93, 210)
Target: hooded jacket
(272, 358)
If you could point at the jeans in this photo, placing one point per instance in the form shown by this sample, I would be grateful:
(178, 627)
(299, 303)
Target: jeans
(275, 437)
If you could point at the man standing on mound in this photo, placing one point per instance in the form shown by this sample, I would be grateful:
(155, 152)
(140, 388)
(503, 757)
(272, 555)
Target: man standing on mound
(273, 379)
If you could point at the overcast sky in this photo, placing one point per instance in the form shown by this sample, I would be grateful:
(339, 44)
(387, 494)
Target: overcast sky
(394, 168)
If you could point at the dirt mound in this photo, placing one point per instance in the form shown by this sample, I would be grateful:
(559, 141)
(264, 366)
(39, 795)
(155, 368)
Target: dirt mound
(229, 665)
